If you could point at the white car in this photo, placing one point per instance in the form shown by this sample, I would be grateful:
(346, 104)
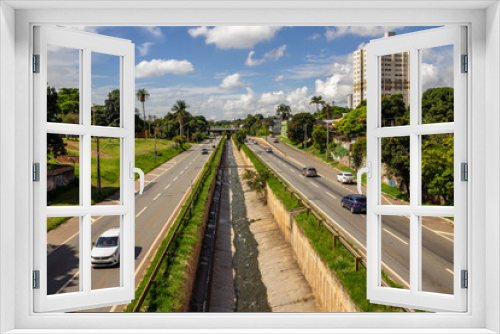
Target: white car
(269, 150)
(106, 250)
(345, 177)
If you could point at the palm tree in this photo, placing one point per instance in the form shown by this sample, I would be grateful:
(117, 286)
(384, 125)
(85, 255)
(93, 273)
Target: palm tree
(180, 110)
(142, 95)
(317, 100)
(284, 111)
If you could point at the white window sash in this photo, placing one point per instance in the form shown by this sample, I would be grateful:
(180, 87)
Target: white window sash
(414, 297)
(87, 43)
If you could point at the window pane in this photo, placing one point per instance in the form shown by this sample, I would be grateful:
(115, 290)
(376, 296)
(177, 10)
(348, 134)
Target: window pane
(105, 254)
(437, 169)
(437, 254)
(395, 89)
(437, 84)
(395, 234)
(395, 168)
(63, 169)
(105, 90)
(105, 170)
(63, 85)
(63, 254)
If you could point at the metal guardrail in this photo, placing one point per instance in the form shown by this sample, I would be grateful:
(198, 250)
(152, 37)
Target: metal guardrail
(187, 210)
(337, 236)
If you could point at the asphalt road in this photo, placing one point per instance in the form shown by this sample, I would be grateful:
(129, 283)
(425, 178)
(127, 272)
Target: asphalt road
(326, 193)
(164, 188)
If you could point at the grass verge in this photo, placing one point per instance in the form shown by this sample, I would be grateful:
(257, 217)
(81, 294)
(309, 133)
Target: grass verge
(341, 262)
(167, 294)
(279, 190)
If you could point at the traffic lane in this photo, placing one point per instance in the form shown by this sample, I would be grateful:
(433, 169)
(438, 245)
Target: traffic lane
(148, 229)
(442, 248)
(63, 263)
(395, 242)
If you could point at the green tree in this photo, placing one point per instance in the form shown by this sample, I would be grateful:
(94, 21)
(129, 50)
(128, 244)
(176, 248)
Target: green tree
(438, 169)
(396, 157)
(283, 111)
(437, 105)
(353, 124)
(142, 95)
(301, 127)
(319, 137)
(112, 109)
(358, 153)
(53, 110)
(317, 100)
(180, 111)
(394, 111)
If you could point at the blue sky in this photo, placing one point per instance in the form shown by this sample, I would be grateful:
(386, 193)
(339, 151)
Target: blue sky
(228, 72)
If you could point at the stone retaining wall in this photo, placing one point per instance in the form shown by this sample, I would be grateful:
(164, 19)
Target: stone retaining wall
(329, 292)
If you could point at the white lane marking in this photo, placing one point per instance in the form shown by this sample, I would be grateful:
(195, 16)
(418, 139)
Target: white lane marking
(156, 197)
(168, 185)
(153, 174)
(175, 179)
(395, 236)
(450, 271)
(438, 233)
(291, 170)
(65, 285)
(187, 167)
(181, 173)
(334, 197)
(143, 209)
(314, 184)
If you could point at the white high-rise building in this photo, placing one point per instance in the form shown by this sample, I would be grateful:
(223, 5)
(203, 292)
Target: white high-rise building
(395, 75)
(350, 103)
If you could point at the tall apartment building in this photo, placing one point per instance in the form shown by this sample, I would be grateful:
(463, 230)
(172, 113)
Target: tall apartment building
(395, 74)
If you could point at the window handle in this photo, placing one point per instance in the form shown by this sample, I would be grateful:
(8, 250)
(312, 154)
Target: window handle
(368, 171)
(134, 170)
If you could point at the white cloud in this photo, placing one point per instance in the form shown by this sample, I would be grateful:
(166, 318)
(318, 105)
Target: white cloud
(336, 87)
(233, 37)
(245, 104)
(314, 36)
(298, 100)
(63, 67)
(159, 67)
(231, 81)
(144, 48)
(92, 29)
(437, 67)
(279, 78)
(155, 31)
(272, 98)
(365, 31)
(274, 54)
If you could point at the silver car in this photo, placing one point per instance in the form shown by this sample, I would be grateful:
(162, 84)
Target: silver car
(345, 177)
(309, 171)
(106, 250)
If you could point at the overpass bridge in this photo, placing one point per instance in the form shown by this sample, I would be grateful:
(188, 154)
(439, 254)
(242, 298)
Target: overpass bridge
(220, 129)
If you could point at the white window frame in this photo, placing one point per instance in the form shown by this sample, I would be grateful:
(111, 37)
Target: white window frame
(415, 297)
(86, 43)
(483, 20)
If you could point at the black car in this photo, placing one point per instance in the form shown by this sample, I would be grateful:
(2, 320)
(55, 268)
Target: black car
(355, 203)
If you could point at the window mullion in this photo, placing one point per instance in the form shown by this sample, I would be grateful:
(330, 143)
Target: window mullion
(415, 164)
(85, 174)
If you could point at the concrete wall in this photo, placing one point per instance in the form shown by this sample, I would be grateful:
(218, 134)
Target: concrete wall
(329, 292)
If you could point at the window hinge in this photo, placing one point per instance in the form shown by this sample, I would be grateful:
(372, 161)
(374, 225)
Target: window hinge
(36, 63)
(465, 279)
(36, 172)
(465, 64)
(36, 279)
(464, 171)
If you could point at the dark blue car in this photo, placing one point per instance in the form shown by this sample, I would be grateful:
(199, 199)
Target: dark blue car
(355, 203)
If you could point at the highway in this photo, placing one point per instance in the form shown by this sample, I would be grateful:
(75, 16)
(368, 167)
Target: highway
(326, 193)
(164, 188)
